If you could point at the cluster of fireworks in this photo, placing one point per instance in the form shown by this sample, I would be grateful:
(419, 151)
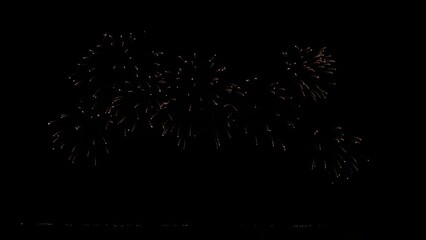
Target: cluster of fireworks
(123, 84)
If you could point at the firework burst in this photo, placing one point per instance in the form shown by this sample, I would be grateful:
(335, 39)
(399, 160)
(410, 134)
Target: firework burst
(101, 75)
(81, 136)
(120, 78)
(311, 71)
(268, 113)
(199, 105)
(142, 95)
(336, 154)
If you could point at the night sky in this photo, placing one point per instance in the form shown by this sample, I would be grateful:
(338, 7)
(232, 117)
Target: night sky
(148, 179)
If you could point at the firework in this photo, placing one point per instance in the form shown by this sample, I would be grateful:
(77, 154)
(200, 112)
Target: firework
(122, 82)
(311, 71)
(268, 113)
(336, 154)
(101, 75)
(143, 94)
(199, 105)
(100, 78)
(121, 79)
(81, 136)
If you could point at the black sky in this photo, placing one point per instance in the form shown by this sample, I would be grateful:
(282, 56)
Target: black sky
(161, 184)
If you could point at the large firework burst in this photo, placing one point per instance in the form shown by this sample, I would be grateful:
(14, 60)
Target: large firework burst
(121, 79)
(311, 70)
(199, 105)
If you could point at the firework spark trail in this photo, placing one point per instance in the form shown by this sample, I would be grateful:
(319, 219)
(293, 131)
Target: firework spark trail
(312, 71)
(336, 154)
(198, 105)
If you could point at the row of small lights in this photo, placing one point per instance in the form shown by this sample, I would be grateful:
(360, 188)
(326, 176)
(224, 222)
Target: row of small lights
(48, 224)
